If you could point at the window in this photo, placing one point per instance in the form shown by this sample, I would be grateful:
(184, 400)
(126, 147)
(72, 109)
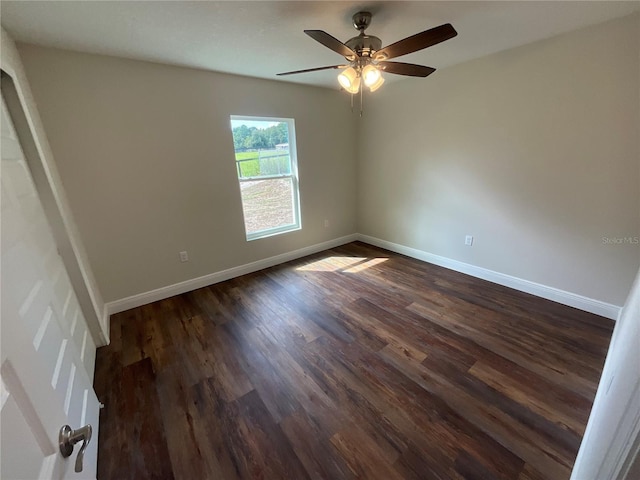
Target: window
(265, 151)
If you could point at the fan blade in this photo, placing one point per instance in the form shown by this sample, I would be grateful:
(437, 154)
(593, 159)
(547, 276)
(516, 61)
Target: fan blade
(313, 69)
(331, 42)
(417, 42)
(408, 69)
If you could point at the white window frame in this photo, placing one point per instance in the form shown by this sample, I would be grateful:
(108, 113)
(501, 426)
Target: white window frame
(293, 156)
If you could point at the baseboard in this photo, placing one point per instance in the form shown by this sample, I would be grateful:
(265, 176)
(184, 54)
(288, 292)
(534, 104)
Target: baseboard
(161, 293)
(560, 296)
(566, 298)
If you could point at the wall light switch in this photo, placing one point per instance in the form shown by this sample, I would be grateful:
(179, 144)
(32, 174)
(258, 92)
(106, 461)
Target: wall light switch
(468, 240)
(184, 256)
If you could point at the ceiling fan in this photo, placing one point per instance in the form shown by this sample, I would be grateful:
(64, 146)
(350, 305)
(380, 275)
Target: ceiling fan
(367, 60)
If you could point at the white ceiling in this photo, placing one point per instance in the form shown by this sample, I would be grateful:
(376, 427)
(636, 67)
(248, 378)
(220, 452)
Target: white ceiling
(262, 38)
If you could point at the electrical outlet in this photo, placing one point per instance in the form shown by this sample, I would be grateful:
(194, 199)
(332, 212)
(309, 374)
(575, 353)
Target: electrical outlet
(468, 240)
(184, 256)
(326, 222)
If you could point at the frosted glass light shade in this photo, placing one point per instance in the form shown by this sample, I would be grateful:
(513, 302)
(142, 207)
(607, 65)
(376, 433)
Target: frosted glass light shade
(377, 85)
(371, 75)
(350, 80)
(355, 87)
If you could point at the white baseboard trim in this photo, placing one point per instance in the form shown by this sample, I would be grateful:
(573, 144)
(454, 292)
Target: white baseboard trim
(161, 293)
(560, 296)
(566, 298)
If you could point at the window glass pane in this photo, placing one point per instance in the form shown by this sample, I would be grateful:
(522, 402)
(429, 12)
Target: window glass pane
(263, 163)
(265, 158)
(267, 204)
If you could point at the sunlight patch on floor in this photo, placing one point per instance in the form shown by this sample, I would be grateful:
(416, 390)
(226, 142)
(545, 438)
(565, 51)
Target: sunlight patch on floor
(364, 265)
(344, 264)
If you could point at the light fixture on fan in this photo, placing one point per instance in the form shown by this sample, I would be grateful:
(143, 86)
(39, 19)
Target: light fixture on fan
(372, 77)
(352, 78)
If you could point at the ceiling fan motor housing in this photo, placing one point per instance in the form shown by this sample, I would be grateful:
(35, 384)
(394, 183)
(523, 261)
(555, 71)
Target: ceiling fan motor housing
(364, 45)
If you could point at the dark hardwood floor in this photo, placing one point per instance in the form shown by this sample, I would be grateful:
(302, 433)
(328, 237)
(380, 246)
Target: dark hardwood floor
(352, 363)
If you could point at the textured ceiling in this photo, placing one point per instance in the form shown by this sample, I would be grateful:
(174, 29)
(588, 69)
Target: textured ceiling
(262, 38)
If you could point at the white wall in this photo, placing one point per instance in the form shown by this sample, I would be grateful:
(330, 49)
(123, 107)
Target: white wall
(615, 417)
(146, 154)
(53, 197)
(534, 151)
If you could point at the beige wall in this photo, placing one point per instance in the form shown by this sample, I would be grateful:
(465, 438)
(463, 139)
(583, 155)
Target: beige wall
(146, 155)
(534, 151)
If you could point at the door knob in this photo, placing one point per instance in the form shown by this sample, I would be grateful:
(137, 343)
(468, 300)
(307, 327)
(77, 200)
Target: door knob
(68, 438)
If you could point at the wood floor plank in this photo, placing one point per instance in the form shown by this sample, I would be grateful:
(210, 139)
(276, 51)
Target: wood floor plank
(111, 436)
(269, 296)
(271, 454)
(363, 455)
(132, 336)
(438, 426)
(309, 440)
(188, 447)
(362, 315)
(359, 402)
(350, 363)
(470, 468)
(144, 434)
(536, 400)
(525, 442)
(420, 465)
(530, 473)
(520, 352)
(274, 390)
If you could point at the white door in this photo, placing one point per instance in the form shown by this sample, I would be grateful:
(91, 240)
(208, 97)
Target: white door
(47, 354)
